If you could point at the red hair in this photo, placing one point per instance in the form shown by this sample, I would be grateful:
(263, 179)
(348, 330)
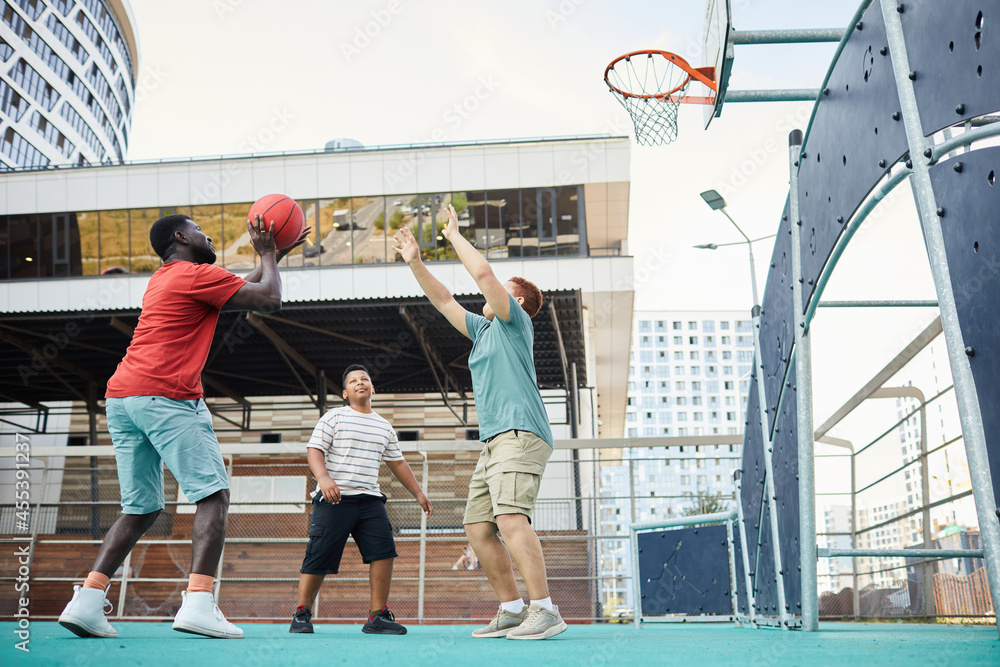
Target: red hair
(528, 291)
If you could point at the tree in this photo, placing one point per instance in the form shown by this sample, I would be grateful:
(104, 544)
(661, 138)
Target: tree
(707, 504)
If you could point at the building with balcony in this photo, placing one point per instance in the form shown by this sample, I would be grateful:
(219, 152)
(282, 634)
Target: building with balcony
(67, 82)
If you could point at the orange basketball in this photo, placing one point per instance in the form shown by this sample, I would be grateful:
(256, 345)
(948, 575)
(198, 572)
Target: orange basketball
(284, 213)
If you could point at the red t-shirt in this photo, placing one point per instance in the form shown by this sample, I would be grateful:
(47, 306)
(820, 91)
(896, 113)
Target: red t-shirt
(171, 342)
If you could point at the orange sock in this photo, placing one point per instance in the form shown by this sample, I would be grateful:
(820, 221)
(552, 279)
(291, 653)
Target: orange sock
(200, 583)
(96, 580)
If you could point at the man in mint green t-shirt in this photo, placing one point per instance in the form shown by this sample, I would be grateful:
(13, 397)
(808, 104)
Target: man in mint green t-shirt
(514, 428)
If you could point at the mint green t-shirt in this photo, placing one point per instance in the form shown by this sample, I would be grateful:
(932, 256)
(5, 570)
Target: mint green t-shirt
(503, 375)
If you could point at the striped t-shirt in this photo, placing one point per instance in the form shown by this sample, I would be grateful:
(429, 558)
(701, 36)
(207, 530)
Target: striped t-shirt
(354, 445)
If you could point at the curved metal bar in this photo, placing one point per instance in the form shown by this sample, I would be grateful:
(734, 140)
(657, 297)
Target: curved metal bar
(990, 130)
(833, 63)
(852, 227)
(880, 192)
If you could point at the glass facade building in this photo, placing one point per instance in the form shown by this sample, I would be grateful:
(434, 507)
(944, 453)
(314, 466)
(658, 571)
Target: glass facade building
(67, 82)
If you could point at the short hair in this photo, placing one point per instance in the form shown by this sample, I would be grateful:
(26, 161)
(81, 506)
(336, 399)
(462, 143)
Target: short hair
(161, 234)
(350, 369)
(530, 293)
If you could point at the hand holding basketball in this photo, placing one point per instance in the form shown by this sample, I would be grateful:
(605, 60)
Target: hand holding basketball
(285, 215)
(261, 235)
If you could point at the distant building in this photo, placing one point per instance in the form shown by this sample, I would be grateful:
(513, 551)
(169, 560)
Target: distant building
(688, 377)
(67, 82)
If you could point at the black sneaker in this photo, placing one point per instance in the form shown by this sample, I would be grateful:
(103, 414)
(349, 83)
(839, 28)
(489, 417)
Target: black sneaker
(302, 621)
(383, 623)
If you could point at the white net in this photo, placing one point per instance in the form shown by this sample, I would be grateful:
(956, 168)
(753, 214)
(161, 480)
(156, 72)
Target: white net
(650, 86)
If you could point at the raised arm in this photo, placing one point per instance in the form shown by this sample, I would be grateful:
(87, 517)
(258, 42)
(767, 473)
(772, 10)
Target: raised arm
(264, 295)
(401, 470)
(439, 295)
(477, 266)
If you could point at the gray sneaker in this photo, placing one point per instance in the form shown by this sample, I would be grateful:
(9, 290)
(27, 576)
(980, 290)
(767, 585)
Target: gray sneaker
(501, 624)
(540, 624)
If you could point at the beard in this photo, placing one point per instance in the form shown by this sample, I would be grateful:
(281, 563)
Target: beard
(205, 255)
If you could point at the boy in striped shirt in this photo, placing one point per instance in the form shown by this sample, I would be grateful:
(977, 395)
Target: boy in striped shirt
(344, 454)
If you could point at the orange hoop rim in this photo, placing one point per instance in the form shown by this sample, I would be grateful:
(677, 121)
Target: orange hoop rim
(704, 75)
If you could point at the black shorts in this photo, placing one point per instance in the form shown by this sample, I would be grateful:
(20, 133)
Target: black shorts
(363, 517)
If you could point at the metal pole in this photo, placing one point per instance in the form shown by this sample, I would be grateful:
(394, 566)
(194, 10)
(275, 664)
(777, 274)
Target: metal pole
(803, 407)
(738, 478)
(925, 499)
(574, 418)
(804, 36)
(768, 445)
(856, 596)
(422, 576)
(973, 434)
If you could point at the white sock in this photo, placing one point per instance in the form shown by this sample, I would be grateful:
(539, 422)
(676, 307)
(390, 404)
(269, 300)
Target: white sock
(513, 607)
(544, 604)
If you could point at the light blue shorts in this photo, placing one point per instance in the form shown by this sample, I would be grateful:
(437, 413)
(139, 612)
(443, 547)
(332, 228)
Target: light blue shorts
(150, 431)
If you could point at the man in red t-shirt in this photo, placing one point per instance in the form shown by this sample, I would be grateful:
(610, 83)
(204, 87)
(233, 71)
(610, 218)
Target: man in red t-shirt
(156, 416)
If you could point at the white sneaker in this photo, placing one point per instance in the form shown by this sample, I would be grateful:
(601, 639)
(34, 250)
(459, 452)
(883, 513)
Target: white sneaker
(84, 615)
(199, 615)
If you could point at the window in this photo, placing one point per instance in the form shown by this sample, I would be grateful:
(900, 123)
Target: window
(696, 370)
(678, 370)
(693, 340)
(726, 354)
(730, 400)
(678, 340)
(660, 325)
(725, 340)
(731, 416)
(696, 386)
(678, 356)
(744, 356)
(698, 416)
(693, 354)
(708, 326)
(645, 341)
(681, 400)
(728, 384)
(679, 385)
(676, 326)
(646, 356)
(724, 325)
(692, 326)
(727, 370)
(682, 416)
(645, 326)
(696, 400)
(685, 479)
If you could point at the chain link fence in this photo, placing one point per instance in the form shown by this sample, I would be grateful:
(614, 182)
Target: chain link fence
(589, 497)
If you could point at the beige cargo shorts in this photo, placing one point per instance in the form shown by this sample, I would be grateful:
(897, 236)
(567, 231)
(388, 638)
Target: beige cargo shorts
(507, 476)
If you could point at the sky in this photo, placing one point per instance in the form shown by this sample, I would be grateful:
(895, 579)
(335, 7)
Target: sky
(214, 74)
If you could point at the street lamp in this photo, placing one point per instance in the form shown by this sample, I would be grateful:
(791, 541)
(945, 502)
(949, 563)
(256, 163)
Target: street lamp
(716, 202)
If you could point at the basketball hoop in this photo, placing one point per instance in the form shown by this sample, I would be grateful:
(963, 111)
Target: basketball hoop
(652, 85)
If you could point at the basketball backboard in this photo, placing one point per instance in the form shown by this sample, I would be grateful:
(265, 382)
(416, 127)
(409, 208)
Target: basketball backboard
(717, 51)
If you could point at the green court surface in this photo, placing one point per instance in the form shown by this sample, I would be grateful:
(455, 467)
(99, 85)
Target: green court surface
(850, 644)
